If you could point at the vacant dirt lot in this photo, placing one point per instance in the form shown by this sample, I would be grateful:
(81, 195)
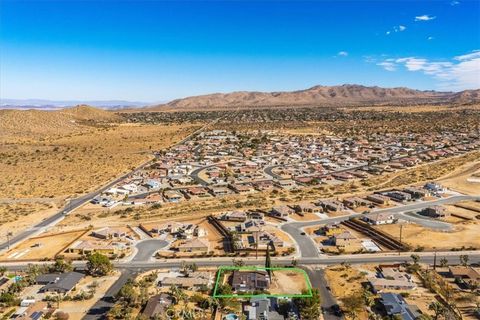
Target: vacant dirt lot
(465, 234)
(288, 282)
(17, 216)
(76, 163)
(42, 247)
(466, 179)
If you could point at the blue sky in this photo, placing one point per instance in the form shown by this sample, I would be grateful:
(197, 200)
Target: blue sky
(155, 51)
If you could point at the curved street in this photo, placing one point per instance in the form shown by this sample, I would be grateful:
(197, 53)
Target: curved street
(147, 248)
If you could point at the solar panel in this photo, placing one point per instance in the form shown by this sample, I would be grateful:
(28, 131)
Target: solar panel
(36, 315)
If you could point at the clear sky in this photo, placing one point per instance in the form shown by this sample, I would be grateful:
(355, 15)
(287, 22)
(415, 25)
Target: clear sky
(155, 51)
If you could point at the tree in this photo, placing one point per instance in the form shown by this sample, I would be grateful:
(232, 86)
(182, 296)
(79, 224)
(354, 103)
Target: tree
(464, 258)
(98, 265)
(3, 270)
(368, 298)
(128, 294)
(61, 266)
(437, 308)
(443, 262)
(415, 258)
(309, 308)
(353, 304)
(238, 262)
(177, 293)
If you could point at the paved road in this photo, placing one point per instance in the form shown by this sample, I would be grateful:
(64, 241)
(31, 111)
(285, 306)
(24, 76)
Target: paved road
(317, 279)
(147, 248)
(269, 172)
(425, 221)
(309, 249)
(102, 306)
(78, 202)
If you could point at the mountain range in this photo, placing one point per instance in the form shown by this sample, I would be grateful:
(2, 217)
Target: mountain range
(344, 95)
(317, 96)
(42, 104)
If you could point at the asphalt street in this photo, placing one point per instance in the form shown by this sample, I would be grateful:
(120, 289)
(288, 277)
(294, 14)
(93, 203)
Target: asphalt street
(102, 306)
(147, 248)
(318, 281)
(309, 249)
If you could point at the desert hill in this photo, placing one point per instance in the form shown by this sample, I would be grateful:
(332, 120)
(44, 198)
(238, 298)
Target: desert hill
(344, 95)
(52, 122)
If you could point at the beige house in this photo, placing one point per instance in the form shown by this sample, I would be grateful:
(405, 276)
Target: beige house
(194, 245)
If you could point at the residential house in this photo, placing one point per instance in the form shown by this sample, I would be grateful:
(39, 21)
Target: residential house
(243, 280)
(83, 247)
(219, 191)
(59, 282)
(109, 233)
(378, 199)
(417, 193)
(355, 202)
(434, 187)
(331, 229)
(194, 245)
(303, 208)
(466, 275)
(172, 196)
(379, 218)
(5, 283)
(282, 211)
(396, 306)
(331, 205)
(238, 216)
(157, 306)
(392, 279)
(262, 309)
(285, 183)
(435, 212)
(250, 226)
(264, 238)
(399, 195)
(255, 215)
(344, 239)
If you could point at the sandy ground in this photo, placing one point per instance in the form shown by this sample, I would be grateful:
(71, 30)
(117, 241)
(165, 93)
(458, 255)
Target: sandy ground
(288, 282)
(452, 209)
(464, 234)
(78, 309)
(306, 217)
(345, 282)
(461, 179)
(43, 247)
(17, 217)
(75, 163)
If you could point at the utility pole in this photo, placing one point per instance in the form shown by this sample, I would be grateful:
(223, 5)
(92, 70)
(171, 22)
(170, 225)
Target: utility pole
(401, 229)
(256, 245)
(9, 234)
(435, 259)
